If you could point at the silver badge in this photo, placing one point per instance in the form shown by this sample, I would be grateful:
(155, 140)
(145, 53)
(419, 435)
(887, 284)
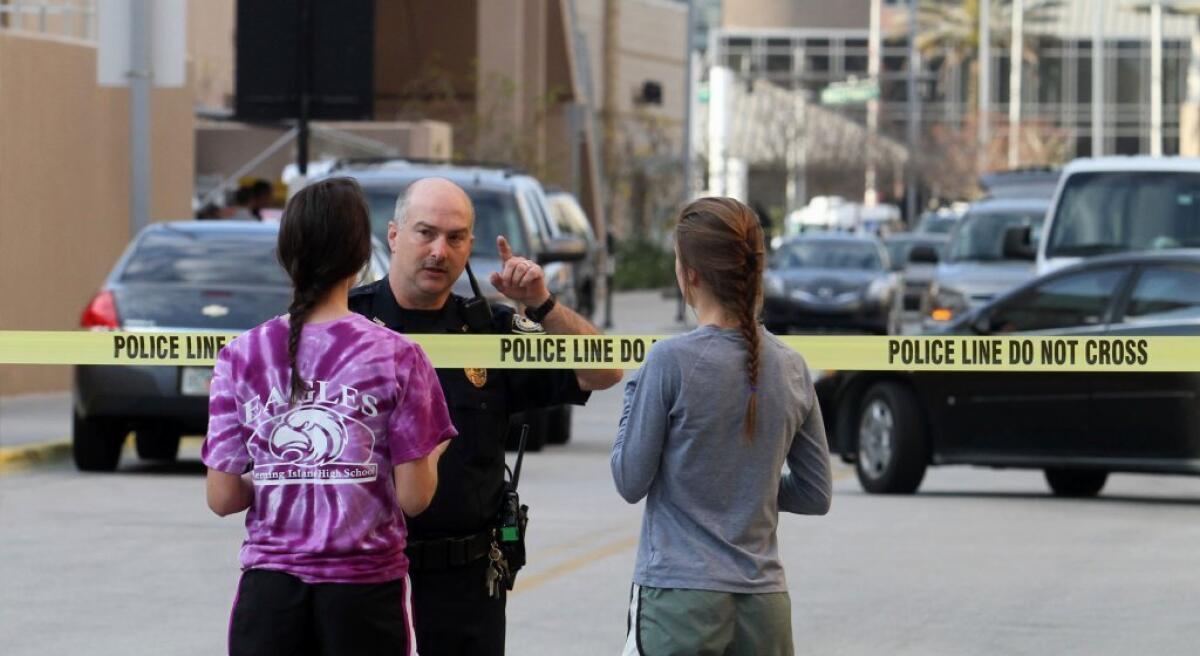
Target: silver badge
(526, 326)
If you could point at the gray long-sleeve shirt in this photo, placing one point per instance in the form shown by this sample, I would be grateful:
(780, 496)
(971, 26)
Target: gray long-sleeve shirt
(712, 497)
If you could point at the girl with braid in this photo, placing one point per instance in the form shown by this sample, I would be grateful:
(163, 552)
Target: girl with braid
(326, 429)
(709, 422)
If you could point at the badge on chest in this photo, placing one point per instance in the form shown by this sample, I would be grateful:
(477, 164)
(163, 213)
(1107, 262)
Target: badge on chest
(478, 377)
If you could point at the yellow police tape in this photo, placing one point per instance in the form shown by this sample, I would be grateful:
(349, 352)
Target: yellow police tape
(951, 353)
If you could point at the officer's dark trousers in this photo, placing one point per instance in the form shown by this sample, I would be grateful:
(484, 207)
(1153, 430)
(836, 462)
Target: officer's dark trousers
(453, 613)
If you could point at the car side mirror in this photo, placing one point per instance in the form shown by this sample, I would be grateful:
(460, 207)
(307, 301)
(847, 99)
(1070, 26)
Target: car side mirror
(564, 249)
(923, 254)
(1018, 244)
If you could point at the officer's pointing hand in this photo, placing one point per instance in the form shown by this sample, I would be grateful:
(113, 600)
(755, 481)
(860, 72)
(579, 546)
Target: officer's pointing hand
(519, 279)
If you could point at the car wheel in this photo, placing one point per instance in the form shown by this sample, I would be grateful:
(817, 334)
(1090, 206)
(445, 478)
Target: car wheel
(1076, 483)
(560, 425)
(893, 451)
(96, 443)
(160, 444)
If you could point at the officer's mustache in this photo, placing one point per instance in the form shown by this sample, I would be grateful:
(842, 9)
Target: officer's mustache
(436, 265)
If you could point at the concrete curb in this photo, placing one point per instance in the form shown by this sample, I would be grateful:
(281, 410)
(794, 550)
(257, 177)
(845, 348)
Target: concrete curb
(32, 454)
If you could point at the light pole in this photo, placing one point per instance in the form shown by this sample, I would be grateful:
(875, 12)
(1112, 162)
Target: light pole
(914, 115)
(1017, 43)
(985, 79)
(1098, 80)
(1156, 99)
(871, 194)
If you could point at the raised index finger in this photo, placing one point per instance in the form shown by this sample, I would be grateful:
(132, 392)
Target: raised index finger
(504, 248)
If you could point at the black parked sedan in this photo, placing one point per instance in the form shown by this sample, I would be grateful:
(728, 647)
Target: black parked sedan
(832, 281)
(215, 276)
(1076, 427)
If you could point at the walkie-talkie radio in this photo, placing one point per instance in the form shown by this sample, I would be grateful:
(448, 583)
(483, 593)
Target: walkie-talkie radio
(514, 517)
(476, 310)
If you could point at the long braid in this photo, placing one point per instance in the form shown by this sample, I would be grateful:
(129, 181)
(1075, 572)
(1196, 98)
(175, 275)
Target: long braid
(324, 239)
(749, 290)
(720, 241)
(303, 302)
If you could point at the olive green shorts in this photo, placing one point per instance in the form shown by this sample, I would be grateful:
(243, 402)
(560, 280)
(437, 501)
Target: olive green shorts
(668, 621)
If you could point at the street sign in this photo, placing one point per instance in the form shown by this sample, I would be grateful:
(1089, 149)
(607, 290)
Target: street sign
(849, 93)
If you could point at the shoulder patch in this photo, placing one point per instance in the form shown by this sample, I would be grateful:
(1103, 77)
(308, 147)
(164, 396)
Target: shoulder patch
(522, 325)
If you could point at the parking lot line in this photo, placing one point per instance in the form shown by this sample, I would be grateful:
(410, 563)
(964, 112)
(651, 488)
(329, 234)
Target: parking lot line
(532, 581)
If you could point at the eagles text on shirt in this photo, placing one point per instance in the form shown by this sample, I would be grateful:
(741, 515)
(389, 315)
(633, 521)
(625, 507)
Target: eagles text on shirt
(320, 440)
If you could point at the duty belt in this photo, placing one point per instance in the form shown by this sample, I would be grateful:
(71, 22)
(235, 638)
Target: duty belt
(445, 553)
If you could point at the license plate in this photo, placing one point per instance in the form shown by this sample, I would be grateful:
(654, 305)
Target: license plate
(194, 381)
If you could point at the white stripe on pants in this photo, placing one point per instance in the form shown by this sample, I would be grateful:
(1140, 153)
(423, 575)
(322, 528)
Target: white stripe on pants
(632, 648)
(408, 617)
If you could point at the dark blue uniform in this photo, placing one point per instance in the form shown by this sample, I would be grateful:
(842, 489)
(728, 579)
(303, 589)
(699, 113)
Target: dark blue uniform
(448, 543)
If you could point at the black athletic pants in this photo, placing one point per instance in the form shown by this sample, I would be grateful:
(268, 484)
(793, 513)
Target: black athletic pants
(277, 613)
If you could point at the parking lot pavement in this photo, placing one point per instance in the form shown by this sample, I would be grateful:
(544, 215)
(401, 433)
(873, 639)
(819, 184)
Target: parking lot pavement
(32, 418)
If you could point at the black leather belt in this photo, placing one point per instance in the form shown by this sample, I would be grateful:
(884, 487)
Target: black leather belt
(445, 553)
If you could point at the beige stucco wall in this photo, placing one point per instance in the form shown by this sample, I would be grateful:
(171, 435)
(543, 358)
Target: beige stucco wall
(653, 38)
(64, 186)
(211, 48)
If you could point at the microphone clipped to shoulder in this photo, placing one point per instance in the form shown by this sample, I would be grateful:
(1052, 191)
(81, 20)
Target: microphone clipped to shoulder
(476, 310)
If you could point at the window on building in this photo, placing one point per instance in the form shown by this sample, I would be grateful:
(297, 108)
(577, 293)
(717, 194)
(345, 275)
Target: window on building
(1050, 81)
(1130, 77)
(779, 63)
(1127, 145)
(1083, 76)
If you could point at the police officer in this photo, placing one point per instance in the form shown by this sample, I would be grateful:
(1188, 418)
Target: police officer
(431, 237)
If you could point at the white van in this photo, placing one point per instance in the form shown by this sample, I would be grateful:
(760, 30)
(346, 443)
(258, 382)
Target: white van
(1117, 204)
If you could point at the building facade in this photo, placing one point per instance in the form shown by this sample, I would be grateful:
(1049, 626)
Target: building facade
(806, 45)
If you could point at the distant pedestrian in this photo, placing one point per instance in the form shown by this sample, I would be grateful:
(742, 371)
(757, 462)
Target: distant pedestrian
(241, 209)
(708, 424)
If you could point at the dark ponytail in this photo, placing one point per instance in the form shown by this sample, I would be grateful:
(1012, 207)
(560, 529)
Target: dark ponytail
(324, 238)
(722, 241)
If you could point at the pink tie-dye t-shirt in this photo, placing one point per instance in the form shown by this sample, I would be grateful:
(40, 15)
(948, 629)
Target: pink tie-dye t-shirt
(325, 506)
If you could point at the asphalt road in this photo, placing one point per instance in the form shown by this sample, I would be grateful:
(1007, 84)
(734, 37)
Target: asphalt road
(980, 562)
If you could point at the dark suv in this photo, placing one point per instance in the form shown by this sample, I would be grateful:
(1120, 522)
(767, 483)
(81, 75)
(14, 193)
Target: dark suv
(507, 202)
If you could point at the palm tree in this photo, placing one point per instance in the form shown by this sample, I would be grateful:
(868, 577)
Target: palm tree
(949, 29)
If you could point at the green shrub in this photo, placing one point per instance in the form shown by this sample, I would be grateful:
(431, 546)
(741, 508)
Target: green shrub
(643, 264)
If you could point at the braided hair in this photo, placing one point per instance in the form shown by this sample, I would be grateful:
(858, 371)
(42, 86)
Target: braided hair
(721, 240)
(324, 238)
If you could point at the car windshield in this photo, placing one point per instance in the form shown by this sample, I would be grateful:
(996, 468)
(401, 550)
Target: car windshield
(937, 225)
(898, 249)
(822, 254)
(496, 214)
(171, 255)
(1125, 211)
(980, 236)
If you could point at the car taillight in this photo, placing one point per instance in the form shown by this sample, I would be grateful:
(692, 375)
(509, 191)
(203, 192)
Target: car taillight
(101, 312)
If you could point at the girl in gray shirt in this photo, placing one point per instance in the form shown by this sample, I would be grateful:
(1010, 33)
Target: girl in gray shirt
(708, 424)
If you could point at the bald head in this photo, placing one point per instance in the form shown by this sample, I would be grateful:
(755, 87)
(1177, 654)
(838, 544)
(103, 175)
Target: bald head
(436, 196)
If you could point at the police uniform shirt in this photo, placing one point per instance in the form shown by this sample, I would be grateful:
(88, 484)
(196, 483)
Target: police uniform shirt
(471, 472)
